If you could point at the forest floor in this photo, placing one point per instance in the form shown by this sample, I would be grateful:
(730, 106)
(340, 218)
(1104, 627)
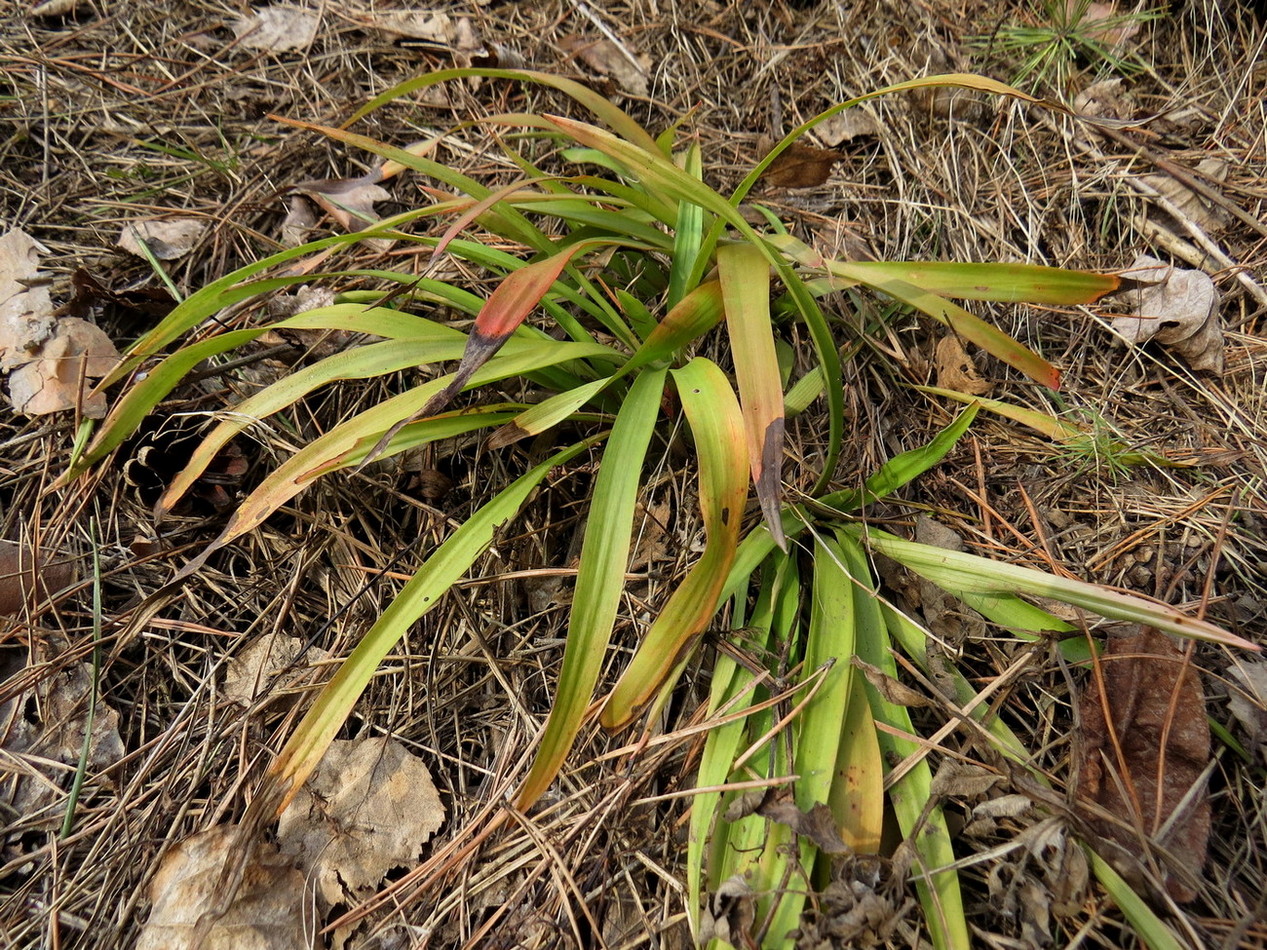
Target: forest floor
(115, 114)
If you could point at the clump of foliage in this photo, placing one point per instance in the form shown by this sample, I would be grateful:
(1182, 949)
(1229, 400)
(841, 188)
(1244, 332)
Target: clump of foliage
(1066, 34)
(635, 260)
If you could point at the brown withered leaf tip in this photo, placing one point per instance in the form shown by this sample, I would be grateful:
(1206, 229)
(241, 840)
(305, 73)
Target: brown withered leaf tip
(798, 166)
(1145, 744)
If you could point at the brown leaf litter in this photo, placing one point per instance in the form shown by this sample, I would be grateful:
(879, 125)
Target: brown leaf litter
(52, 361)
(1177, 307)
(1144, 745)
(42, 731)
(27, 576)
(369, 806)
(269, 912)
(798, 166)
(278, 28)
(168, 239)
(610, 59)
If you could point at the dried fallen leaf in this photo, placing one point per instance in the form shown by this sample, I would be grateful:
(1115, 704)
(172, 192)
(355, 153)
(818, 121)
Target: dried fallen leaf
(299, 220)
(52, 361)
(145, 305)
(1145, 745)
(350, 201)
(269, 913)
(278, 28)
(52, 8)
(416, 25)
(167, 238)
(369, 807)
(1102, 22)
(60, 378)
(1103, 100)
(607, 59)
(890, 689)
(1192, 207)
(818, 824)
(798, 166)
(1248, 702)
(846, 126)
(42, 732)
(26, 577)
(859, 908)
(957, 370)
(267, 665)
(947, 617)
(26, 310)
(1176, 307)
(730, 915)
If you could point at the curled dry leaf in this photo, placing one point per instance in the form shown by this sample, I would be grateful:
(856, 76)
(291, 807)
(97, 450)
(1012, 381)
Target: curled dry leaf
(861, 907)
(415, 25)
(608, 59)
(26, 310)
(299, 220)
(269, 912)
(846, 126)
(350, 201)
(52, 8)
(1176, 307)
(890, 690)
(731, 913)
(957, 370)
(370, 806)
(1144, 747)
(818, 824)
(167, 238)
(278, 28)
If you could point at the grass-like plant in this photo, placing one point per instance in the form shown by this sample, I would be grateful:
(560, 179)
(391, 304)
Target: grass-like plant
(1066, 33)
(634, 259)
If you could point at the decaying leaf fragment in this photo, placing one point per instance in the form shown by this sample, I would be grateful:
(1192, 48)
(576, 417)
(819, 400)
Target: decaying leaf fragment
(1191, 206)
(1247, 700)
(370, 806)
(818, 824)
(42, 731)
(607, 59)
(956, 369)
(1178, 308)
(267, 665)
(280, 27)
(166, 238)
(350, 201)
(52, 362)
(415, 25)
(1144, 747)
(26, 309)
(798, 166)
(846, 126)
(27, 576)
(269, 913)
